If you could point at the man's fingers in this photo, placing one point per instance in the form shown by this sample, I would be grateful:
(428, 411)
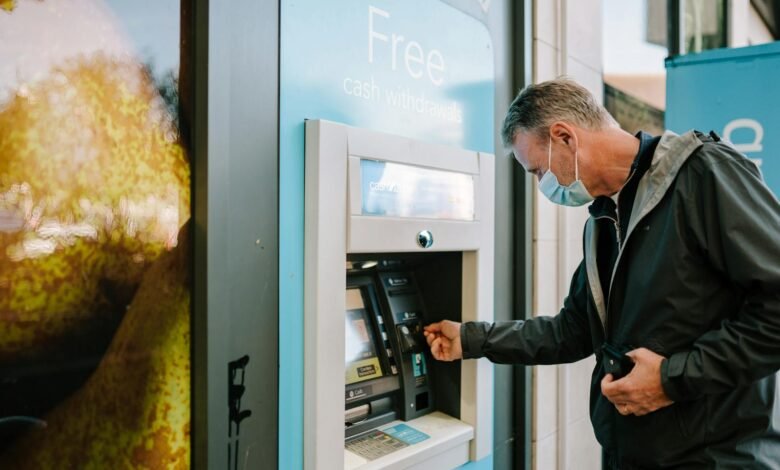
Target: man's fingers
(615, 390)
(444, 340)
(606, 385)
(435, 339)
(623, 409)
(437, 348)
(636, 354)
(626, 409)
(641, 412)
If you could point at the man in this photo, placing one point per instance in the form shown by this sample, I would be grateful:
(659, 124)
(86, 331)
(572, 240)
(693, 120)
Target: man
(678, 294)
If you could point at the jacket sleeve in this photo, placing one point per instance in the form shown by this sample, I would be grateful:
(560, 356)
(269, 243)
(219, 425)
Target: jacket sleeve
(541, 340)
(738, 231)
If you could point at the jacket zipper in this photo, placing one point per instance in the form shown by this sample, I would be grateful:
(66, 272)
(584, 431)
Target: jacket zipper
(617, 214)
(619, 240)
(614, 271)
(615, 222)
(606, 310)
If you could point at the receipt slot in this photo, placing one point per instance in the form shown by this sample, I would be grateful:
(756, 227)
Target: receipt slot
(399, 234)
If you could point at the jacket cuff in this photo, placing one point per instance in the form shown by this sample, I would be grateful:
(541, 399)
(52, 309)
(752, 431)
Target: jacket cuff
(472, 337)
(673, 377)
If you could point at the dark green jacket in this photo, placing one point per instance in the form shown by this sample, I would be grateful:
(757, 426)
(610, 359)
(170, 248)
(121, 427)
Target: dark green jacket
(697, 280)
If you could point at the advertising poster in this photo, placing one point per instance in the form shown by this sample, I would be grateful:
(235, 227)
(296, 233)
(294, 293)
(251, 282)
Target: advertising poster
(94, 258)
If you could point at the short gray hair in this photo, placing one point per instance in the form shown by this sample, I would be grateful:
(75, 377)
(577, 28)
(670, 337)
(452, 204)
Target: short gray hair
(537, 106)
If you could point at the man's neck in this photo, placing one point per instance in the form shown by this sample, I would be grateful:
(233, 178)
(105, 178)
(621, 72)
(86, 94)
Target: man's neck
(618, 149)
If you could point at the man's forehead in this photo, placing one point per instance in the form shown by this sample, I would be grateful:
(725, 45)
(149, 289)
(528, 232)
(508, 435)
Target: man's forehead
(522, 144)
(528, 138)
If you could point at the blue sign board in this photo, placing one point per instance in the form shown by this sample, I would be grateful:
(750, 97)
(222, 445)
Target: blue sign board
(735, 93)
(422, 70)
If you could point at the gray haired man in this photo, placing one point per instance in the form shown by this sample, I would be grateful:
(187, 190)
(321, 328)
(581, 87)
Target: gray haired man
(678, 294)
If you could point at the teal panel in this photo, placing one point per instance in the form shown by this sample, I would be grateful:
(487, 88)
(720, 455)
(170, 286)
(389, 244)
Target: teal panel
(484, 464)
(735, 93)
(418, 69)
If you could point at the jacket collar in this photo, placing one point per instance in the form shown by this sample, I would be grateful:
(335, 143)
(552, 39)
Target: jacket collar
(671, 153)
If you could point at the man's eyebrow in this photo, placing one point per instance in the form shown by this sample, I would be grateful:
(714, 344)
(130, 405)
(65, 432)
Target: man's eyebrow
(534, 170)
(529, 169)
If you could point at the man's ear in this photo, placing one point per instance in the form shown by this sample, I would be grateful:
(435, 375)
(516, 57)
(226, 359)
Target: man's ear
(563, 133)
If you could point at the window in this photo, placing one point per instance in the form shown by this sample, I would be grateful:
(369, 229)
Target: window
(636, 43)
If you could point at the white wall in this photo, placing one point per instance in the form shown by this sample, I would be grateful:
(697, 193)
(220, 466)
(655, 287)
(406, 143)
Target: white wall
(567, 41)
(746, 28)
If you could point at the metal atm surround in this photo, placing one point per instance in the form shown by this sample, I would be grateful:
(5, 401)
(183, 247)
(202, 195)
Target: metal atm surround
(335, 229)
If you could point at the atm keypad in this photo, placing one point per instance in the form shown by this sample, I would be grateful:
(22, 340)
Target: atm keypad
(374, 445)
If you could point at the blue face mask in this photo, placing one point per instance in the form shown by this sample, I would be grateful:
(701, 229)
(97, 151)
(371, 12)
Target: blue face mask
(572, 195)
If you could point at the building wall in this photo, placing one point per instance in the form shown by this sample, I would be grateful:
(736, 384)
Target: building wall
(746, 28)
(632, 113)
(566, 41)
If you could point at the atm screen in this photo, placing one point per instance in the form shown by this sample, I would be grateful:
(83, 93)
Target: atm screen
(361, 359)
(397, 190)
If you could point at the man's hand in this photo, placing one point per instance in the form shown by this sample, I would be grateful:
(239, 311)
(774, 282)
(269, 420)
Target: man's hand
(444, 339)
(640, 392)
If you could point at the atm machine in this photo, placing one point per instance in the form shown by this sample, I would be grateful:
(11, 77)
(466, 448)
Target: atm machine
(399, 234)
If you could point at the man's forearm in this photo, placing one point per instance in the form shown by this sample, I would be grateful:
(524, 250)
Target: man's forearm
(541, 340)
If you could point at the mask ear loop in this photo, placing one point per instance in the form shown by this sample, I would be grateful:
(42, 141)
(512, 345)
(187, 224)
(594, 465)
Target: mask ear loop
(549, 154)
(576, 165)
